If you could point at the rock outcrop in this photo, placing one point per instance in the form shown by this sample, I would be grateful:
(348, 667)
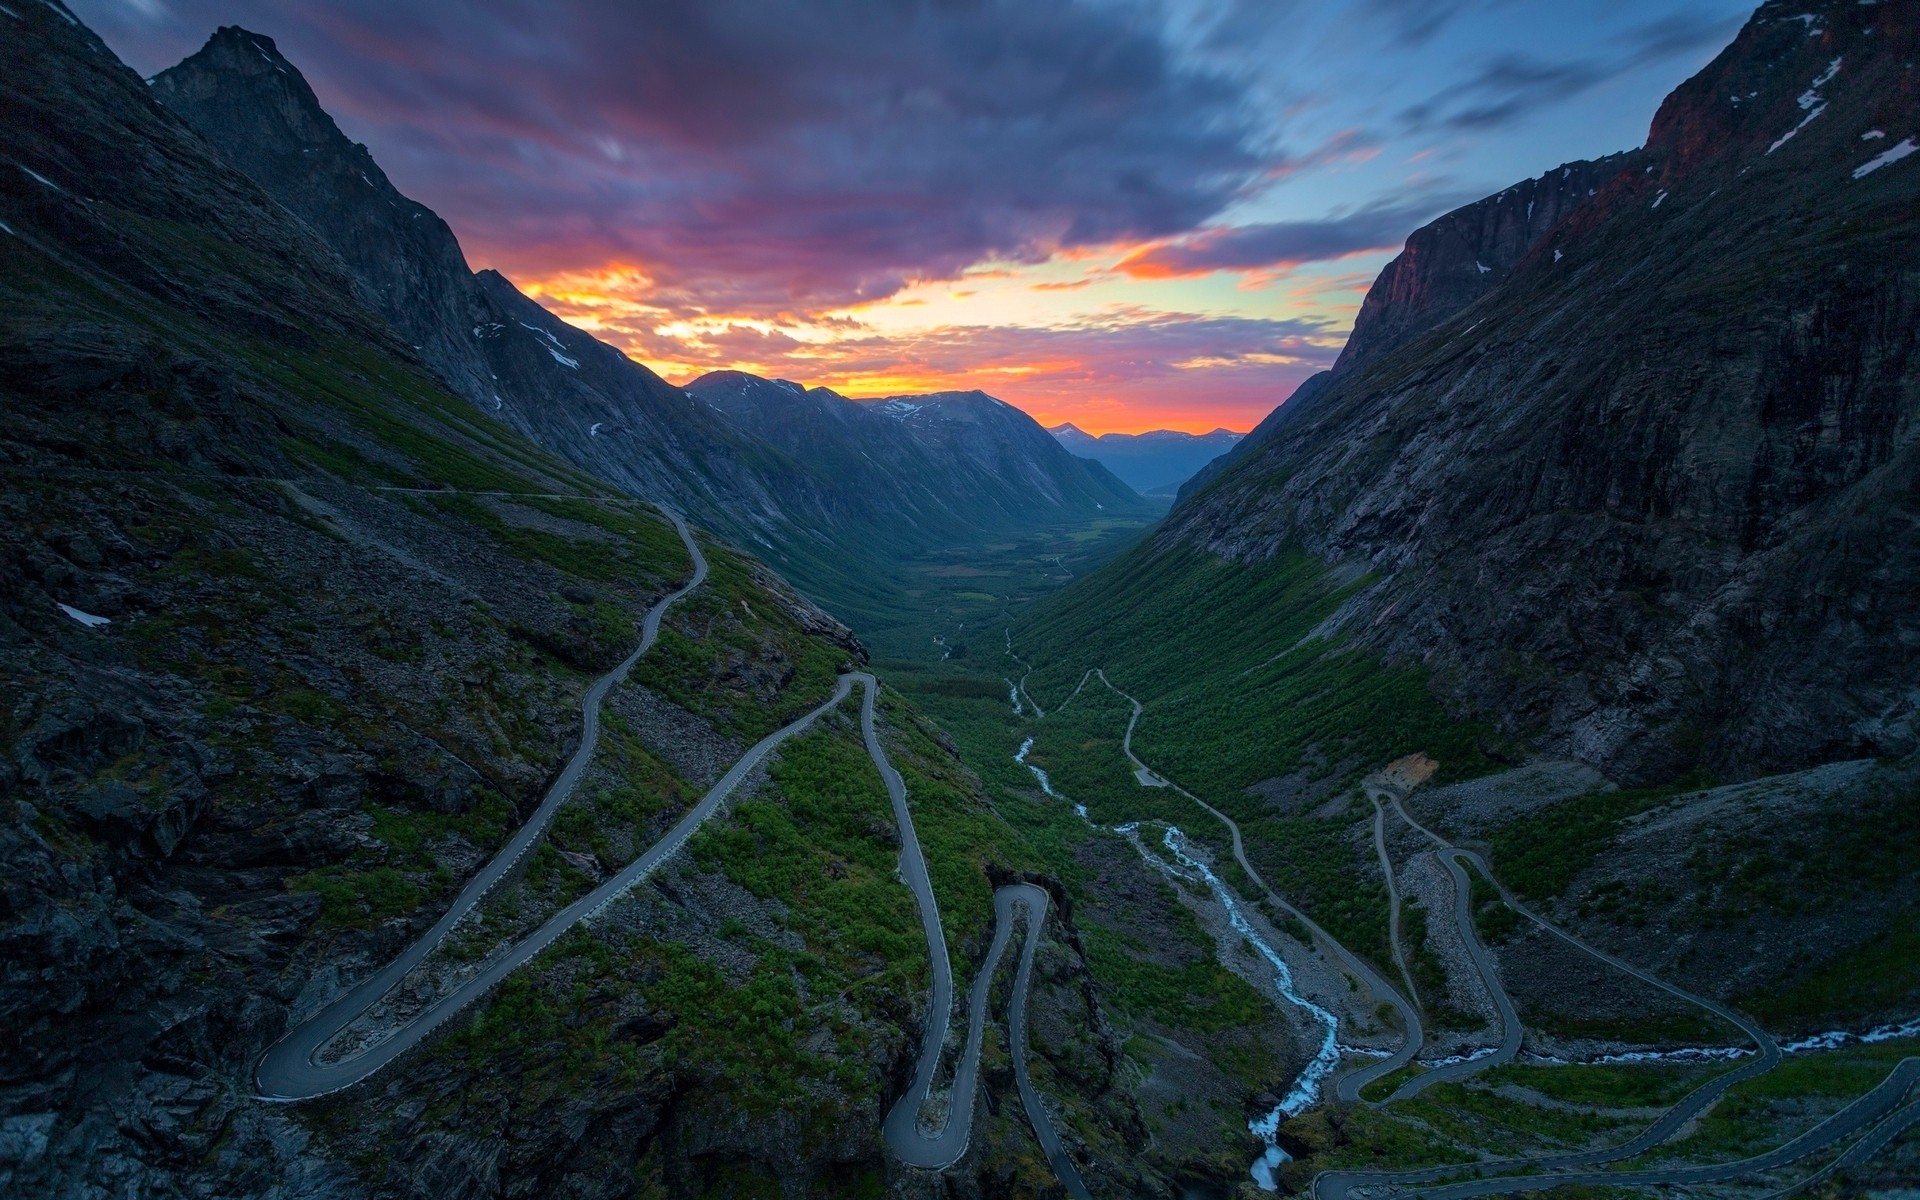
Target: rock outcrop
(1456, 259)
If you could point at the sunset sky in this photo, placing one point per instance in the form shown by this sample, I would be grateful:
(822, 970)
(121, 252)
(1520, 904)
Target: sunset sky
(1130, 214)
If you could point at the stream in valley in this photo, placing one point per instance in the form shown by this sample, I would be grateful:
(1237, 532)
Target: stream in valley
(1306, 1086)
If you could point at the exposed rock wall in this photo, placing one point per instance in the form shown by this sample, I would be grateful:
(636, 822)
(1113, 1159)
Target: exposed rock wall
(1649, 498)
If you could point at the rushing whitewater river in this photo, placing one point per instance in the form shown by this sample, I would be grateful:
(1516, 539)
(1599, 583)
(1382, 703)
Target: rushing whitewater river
(1306, 1087)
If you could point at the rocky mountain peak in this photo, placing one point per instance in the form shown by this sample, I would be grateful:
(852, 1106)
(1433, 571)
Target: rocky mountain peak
(242, 95)
(1460, 257)
(241, 76)
(1780, 77)
(234, 58)
(1774, 84)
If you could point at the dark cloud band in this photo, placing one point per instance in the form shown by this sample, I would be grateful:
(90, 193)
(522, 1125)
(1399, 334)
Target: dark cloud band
(759, 155)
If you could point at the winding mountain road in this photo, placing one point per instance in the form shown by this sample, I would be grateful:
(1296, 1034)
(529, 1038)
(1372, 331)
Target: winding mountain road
(1877, 1118)
(292, 1069)
(904, 1133)
(1859, 1115)
(1393, 899)
(1511, 1031)
(1336, 1185)
(1876, 1140)
(1769, 1050)
(1034, 900)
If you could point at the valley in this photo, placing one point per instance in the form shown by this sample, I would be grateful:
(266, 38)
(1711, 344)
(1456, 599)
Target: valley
(1457, 1114)
(432, 763)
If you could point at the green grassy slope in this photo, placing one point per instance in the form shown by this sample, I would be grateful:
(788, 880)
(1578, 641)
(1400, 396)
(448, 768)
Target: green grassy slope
(1238, 689)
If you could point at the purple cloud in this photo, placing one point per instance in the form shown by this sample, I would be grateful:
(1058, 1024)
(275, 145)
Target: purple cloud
(764, 155)
(1284, 244)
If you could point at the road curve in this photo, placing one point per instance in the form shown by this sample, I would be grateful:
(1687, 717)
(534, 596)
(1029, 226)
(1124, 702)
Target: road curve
(1769, 1050)
(289, 1071)
(1393, 898)
(1858, 1115)
(1511, 1030)
(1348, 1086)
(1335, 1185)
(1874, 1142)
(1879, 1112)
(936, 1150)
(1034, 900)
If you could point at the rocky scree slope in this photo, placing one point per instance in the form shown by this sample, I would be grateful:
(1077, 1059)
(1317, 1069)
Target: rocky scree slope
(1649, 499)
(850, 491)
(281, 666)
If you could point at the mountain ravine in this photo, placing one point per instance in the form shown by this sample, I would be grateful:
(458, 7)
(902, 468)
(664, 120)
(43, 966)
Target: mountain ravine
(441, 758)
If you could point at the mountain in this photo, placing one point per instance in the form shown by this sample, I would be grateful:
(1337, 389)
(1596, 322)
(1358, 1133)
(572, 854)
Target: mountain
(293, 639)
(1597, 571)
(476, 332)
(1446, 265)
(1152, 463)
(1456, 259)
(1638, 492)
(830, 508)
(953, 461)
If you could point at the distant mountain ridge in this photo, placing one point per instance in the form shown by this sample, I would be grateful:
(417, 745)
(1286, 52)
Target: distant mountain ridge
(952, 460)
(818, 506)
(1153, 463)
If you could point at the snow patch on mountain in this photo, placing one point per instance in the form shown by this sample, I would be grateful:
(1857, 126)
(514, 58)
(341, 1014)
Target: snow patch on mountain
(553, 347)
(85, 618)
(1810, 102)
(1892, 154)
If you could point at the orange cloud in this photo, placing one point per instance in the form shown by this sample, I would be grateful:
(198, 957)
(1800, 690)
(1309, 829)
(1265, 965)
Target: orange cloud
(1130, 368)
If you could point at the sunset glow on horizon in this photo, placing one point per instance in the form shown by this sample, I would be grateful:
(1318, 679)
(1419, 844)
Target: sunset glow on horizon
(1083, 349)
(1127, 214)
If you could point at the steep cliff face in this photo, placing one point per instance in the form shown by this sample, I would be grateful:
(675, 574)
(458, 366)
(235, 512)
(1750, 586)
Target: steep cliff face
(1462, 256)
(1649, 497)
(1446, 265)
